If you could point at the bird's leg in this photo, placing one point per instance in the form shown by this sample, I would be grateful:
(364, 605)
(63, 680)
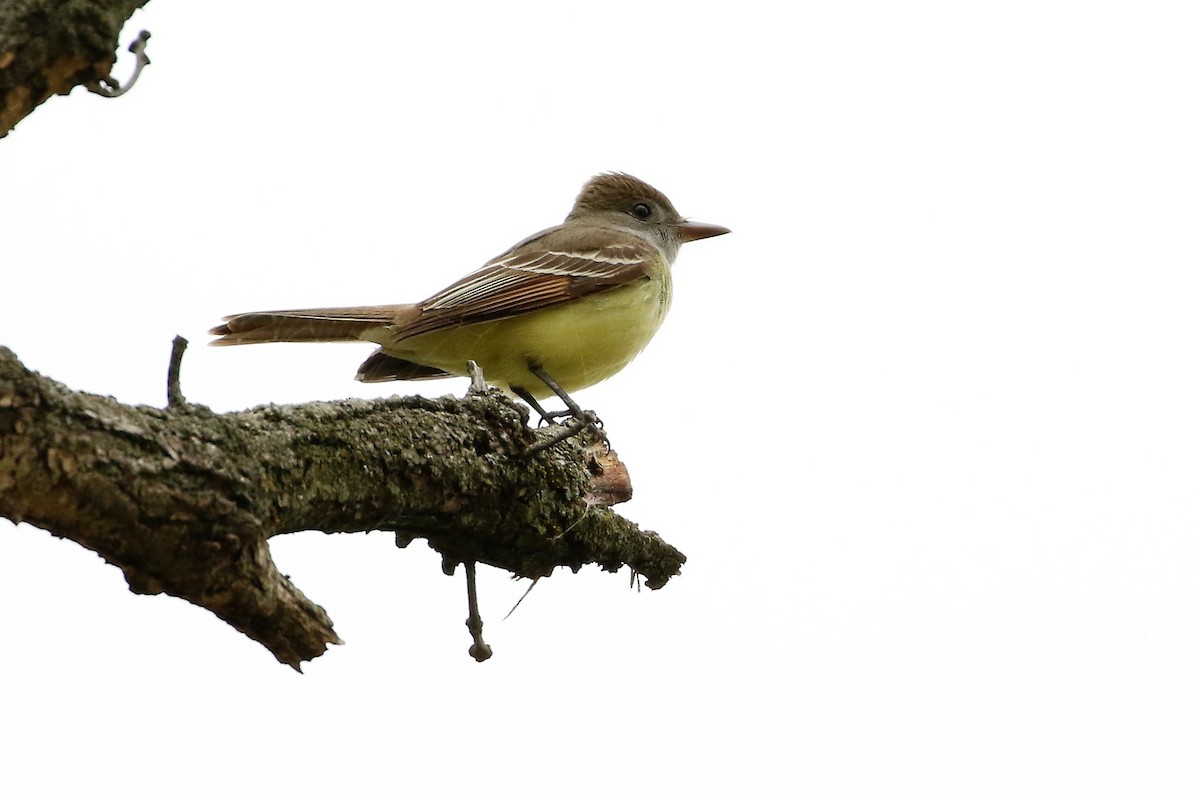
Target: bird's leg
(546, 416)
(572, 406)
(582, 419)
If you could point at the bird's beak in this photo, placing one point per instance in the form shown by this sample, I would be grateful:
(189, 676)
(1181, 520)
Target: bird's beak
(691, 231)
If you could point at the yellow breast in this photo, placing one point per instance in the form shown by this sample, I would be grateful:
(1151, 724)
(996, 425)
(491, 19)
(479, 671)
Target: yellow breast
(577, 343)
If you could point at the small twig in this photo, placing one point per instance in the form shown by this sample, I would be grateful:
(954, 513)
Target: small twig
(175, 396)
(522, 598)
(478, 384)
(480, 650)
(108, 86)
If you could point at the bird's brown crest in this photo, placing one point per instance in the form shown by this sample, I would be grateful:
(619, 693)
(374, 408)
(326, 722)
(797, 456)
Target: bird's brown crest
(614, 191)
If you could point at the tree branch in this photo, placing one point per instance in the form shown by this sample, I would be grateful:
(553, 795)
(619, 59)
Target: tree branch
(49, 47)
(183, 500)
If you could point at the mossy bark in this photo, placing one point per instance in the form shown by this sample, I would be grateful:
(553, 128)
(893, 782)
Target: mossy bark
(183, 500)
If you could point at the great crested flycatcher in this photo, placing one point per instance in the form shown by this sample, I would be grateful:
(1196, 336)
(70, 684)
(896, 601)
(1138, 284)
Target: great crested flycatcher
(561, 310)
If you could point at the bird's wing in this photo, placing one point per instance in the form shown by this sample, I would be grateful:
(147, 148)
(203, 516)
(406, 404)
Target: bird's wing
(539, 273)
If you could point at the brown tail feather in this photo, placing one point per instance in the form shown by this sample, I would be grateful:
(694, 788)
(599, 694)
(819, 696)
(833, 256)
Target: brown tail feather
(305, 325)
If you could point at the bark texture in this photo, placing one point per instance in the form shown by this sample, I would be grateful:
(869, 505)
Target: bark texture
(49, 47)
(184, 500)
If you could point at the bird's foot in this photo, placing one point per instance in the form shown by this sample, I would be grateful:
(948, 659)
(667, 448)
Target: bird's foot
(580, 420)
(579, 423)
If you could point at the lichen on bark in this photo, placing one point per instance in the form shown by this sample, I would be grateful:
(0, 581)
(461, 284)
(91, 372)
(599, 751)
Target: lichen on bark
(184, 500)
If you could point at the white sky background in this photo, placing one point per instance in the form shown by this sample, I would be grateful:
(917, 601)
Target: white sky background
(926, 424)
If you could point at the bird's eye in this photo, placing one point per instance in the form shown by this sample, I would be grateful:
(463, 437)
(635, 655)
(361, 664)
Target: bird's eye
(641, 211)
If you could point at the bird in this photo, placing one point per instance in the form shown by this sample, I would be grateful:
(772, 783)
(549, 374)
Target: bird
(559, 311)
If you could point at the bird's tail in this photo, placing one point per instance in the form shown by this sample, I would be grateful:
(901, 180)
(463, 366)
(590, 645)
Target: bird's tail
(306, 325)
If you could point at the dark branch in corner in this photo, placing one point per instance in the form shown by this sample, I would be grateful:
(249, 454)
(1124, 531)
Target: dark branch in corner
(48, 47)
(184, 500)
